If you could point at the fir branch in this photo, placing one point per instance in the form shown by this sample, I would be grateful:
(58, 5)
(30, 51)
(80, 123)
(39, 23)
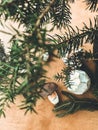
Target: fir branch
(64, 76)
(3, 56)
(27, 56)
(38, 22)
(74, 104)
(61, 14)
(74, 39)
(92, 5)
(25, 64)
(72, 1)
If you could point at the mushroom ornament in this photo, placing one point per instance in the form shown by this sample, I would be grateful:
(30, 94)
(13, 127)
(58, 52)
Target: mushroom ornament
(50, 91)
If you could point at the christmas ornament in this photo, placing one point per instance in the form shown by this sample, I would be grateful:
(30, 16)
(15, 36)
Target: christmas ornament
(53, 98)
(45, 56)
(79, 82)
(50, 90)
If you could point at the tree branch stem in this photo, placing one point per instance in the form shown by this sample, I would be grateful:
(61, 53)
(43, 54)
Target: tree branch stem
(43, 13)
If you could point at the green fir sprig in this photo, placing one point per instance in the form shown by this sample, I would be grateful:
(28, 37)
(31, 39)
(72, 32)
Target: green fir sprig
(23, 72)
(74, 104)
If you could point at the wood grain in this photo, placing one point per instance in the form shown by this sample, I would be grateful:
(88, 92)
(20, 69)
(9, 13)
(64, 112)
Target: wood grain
(46, 119)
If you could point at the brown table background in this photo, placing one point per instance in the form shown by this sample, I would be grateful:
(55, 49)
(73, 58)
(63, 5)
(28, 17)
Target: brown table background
(46, 119)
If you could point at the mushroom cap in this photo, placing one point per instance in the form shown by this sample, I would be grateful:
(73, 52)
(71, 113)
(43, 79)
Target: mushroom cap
(48, 89)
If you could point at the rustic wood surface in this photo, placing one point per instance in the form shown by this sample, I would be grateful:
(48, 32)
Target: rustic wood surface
(46, 119)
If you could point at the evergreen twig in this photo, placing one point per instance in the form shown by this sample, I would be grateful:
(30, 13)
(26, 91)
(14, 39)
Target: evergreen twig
(74, 104)
(23, 72)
